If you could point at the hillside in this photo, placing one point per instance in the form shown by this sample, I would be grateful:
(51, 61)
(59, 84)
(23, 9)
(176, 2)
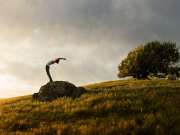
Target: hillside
(108, 108)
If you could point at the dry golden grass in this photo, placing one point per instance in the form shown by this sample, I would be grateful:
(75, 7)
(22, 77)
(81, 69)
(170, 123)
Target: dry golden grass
(109, 108)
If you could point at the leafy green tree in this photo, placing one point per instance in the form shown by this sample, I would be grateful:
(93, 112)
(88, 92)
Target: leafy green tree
(152, 58)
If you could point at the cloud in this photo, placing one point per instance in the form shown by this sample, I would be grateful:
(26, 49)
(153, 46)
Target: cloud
(9, 82)
(95, 35)
(129, 21)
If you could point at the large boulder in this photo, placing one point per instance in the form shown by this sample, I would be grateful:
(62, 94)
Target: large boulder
(54, 90)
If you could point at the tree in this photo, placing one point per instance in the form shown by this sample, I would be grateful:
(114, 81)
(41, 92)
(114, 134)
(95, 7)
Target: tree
(152, 58)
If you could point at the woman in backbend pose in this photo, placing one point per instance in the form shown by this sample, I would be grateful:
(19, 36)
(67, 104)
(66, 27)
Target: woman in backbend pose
(51, 63)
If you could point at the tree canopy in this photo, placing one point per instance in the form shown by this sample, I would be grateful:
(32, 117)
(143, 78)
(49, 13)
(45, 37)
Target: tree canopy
(152, 58)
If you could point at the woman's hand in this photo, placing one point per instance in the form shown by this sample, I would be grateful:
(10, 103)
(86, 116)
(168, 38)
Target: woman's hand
(62, 58)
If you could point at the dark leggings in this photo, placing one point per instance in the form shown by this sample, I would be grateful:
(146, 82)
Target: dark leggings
(48, 73)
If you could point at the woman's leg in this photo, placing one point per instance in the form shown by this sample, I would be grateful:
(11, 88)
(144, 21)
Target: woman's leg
(48, 73)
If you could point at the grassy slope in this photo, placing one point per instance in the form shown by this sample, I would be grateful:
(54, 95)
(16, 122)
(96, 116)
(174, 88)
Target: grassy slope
(109, 108)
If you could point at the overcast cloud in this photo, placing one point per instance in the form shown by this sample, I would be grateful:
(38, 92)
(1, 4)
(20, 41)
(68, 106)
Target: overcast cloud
(94, 35)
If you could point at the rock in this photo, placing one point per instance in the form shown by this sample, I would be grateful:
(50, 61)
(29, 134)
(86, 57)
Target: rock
(54, 90)
(79, 92)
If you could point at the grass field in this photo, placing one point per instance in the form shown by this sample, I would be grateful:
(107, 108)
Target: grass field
(110, 108)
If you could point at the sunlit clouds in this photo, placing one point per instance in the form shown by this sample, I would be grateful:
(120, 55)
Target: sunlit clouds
(94, 36)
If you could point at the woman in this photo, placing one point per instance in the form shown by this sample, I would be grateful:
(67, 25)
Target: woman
(51, 63)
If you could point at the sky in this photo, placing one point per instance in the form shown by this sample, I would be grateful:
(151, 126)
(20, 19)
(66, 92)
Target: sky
(94, 36)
